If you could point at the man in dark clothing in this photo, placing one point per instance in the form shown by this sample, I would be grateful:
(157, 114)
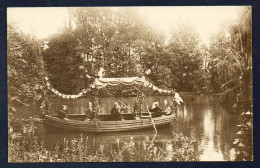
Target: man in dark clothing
(93, 112)
(115, 112)
(62, 112)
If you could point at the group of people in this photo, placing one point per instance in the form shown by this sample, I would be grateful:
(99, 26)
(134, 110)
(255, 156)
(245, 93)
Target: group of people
(117, 110)
(93, 109)
(157, 111)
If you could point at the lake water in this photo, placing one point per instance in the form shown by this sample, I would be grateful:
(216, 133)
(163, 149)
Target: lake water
(201, 117)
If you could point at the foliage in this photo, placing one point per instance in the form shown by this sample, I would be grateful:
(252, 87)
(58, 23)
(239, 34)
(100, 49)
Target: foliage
(24, 69)
(63, 64)
(120, 42)
(23, 146)
(238, 88)
(230, 65)
(185, 59)
(243, 144)
(230, 68)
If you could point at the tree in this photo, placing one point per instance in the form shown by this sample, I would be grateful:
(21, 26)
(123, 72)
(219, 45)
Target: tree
(64, 64)
(24, 69)
(231, 70)
(241, 36)
(184, 57)
(231, 62)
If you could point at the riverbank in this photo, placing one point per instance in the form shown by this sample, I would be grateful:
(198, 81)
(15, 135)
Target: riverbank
(23, 146)
(202, 117)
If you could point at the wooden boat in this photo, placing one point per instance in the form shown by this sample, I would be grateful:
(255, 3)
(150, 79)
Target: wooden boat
(97, 126)
(77, 123)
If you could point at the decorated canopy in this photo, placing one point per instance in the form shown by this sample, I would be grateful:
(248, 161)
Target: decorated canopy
(103, 82)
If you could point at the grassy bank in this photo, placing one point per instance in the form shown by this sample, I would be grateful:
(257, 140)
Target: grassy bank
(23, 146)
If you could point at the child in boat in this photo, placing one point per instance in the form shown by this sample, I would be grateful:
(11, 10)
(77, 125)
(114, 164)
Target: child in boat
(115, 112)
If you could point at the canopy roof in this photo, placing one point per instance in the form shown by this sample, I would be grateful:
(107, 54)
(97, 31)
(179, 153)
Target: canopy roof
(103, 82)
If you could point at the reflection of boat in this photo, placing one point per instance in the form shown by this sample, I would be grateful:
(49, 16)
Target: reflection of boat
(107, 126)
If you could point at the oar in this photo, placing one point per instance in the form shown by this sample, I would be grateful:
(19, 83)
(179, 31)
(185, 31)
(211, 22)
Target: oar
(126, 106)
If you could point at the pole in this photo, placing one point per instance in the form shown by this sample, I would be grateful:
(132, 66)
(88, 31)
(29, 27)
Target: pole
(152, 123)
(126, 106)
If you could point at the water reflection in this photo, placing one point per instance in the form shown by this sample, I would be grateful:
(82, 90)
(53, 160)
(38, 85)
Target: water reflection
(213, 127)
(201, 118)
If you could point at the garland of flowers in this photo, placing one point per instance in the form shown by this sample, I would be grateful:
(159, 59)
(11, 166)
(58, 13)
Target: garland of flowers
(84, 91)
(66, 96)
(155, 88)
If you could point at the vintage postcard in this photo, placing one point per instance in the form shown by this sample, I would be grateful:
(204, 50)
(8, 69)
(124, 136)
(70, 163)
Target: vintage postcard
(129, 84)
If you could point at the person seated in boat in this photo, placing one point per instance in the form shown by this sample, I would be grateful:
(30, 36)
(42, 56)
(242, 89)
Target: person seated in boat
(156, 110)
(125, 110)
(173, 106)
(115, 112)
(63, 111)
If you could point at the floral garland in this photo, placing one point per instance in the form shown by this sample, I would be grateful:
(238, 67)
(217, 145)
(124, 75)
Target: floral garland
(65, 96)
(84, 91)
(155, 88)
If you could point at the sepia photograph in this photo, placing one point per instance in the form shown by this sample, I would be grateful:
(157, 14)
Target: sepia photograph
(129, 84)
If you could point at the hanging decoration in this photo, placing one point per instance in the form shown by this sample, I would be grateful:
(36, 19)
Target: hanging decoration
(103, 82)
(65, 96)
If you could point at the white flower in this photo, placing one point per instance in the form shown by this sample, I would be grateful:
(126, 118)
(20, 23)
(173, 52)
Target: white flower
(248, 113)
(239, 132)
(117, 141)
(249, 123)
(236, 141)
(241, 145)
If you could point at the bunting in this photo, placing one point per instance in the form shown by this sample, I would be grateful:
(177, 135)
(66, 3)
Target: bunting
(65, 96)
(103, 82)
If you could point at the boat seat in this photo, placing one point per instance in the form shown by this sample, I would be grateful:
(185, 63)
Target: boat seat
(145, 116)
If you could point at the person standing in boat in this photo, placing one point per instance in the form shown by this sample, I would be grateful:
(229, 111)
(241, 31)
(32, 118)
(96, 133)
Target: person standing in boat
(93, 112)
(97, 107)
(115, 112)
(137, 108)
(89, 110)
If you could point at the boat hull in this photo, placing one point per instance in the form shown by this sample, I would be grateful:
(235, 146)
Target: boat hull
(107, 126)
